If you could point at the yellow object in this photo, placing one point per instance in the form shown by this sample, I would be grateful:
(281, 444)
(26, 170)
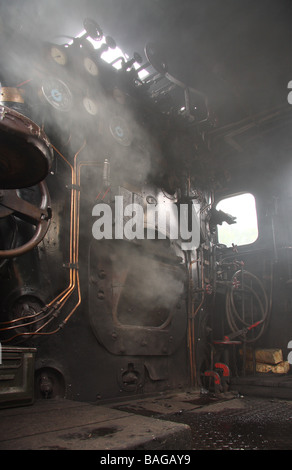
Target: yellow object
(267, 356)
(11, 94)
(281, 368)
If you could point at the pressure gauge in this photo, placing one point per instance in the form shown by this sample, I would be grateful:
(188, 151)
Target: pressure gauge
(90, 66)
(120, 131)
(58, 55)
(57, 94)
(90, 106)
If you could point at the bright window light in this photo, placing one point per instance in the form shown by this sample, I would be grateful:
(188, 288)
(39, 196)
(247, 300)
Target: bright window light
(81, 33)
(245, 230)
(112, 55)
(143, 73)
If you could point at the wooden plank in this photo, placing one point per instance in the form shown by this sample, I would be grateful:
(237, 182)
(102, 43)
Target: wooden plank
(44, 418)
(269, 356)
(87, 427)
(265, 356)
(281, 368)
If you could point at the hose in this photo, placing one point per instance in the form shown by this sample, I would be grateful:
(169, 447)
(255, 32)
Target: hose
(239, 322)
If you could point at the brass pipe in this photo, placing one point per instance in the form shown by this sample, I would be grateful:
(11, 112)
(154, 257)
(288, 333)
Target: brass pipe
(191, 322)
(73, 258)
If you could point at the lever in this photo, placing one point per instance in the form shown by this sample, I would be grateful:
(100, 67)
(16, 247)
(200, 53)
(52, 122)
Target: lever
(154, 59)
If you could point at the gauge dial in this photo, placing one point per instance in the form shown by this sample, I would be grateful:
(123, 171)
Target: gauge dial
(57, 94)
(90, 106)
(90, 66)
(120, 131)
(58, 55)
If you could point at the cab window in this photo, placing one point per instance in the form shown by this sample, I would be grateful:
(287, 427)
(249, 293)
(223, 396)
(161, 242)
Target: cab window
(245, 230)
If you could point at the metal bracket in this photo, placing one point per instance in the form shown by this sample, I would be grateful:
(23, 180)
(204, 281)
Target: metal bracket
(70, 265)
(73, 186)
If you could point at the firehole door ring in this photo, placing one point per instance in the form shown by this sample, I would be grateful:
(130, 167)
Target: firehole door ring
(135, 325)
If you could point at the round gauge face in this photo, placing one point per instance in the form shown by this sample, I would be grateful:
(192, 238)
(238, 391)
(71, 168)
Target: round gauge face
(57, 94)
(120, 131)
(90, 106)
(90, 66)
(58, 55)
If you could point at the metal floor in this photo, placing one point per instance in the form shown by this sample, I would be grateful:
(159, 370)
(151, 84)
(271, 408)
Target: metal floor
(181, 421)
(248, 423)
(230, 422)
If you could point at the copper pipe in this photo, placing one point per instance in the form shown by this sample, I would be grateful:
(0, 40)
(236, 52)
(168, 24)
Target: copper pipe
(71, 283)
(73, 258)
(191, 322)
(24, 324)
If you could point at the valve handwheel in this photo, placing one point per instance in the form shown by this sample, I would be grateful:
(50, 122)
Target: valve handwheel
(11, 203)
(155, 58)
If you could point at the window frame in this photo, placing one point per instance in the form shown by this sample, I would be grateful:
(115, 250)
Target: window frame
(224, 224)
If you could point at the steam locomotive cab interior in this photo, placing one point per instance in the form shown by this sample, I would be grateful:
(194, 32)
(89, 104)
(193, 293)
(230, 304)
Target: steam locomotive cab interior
(107, 315)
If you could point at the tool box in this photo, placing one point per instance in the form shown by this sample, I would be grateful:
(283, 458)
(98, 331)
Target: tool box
(16, 376)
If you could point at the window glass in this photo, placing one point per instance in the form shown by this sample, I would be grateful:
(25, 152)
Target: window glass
(245, 230)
